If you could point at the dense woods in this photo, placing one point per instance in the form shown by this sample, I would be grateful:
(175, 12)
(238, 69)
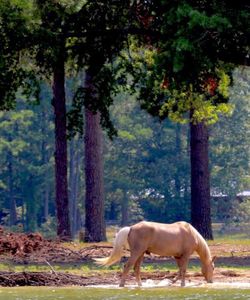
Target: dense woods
(166, 133)
(147, 167)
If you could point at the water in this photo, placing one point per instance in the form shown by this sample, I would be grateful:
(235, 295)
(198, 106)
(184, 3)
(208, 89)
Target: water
(112, 293)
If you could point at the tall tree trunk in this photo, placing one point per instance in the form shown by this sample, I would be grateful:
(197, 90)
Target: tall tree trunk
(112, 212)
(74, 178)
(46, 201)
(44, 161)
(76, 211)
(76, 184)
(12, 203)
(94, 200)
(178, 158)
(31, 207)
(71, 180)
(124, 210)
(200, 180)
(62, 205)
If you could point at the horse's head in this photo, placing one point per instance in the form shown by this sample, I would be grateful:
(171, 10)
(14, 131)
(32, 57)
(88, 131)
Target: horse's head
(208, 270)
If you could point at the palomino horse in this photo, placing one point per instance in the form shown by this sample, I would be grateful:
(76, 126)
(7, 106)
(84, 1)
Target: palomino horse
(179, 240)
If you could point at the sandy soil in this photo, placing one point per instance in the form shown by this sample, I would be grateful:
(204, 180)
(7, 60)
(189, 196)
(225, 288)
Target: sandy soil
(34, 249)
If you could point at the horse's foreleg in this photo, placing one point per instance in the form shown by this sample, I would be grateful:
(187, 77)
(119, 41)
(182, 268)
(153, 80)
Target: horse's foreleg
(183, 273)
(137, 270)
(182, 263)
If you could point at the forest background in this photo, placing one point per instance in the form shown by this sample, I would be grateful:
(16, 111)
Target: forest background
(147, 169)
(142, 165)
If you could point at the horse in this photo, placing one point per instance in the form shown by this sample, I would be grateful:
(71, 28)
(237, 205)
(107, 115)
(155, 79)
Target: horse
(178, 239)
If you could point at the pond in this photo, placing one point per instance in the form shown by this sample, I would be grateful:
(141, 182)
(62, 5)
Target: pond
(112, 293)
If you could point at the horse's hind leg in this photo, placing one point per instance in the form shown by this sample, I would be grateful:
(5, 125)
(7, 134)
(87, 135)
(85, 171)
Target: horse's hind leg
(137, 269)
(131, 262)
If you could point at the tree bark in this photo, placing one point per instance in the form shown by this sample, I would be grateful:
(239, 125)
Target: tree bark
(12, 203)
(76, 212)
(62, 205)
(94, 200)
(31, 207)
(74, 178)
(44, 161)
(124, 210)
(71, 183)
(46, 202)
(200, 180)
(178, 157)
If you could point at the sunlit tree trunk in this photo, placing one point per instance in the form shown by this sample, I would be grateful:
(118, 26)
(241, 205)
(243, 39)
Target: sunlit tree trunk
(200, 180)
(62, 205)
(94, 200)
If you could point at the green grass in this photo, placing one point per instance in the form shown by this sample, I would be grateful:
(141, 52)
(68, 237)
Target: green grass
(235, 239)
(89, 268)
(72, 268)
(169, 293)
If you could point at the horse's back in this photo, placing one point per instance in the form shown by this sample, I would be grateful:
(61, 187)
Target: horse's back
(162, 239)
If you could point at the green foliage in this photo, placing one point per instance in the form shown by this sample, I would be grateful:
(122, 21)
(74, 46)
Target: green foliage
(190, 51)
(75, 114)
(48, 228)
(198, 35)
(9, 123)
(142, 163)
(230, 147)
(188, 46)
(16, 22)
(125, 135)
(26, 144)
(101, 28)
(163, 96)
(99, 99)
(156, 166)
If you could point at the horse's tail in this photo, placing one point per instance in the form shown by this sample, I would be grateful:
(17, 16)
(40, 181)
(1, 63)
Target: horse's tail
(121, 240)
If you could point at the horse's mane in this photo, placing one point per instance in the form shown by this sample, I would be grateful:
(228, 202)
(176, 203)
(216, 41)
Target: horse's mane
(202, 248)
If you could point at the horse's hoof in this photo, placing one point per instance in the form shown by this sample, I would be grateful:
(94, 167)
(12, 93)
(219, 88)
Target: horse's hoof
(173, 281)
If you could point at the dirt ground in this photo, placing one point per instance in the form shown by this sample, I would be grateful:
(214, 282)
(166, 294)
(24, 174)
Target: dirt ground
(25, 249)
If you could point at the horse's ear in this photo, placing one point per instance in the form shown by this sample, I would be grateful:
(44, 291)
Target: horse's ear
(214, 258)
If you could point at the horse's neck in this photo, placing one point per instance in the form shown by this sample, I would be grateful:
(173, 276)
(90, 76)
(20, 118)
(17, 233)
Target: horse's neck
(203, 251)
